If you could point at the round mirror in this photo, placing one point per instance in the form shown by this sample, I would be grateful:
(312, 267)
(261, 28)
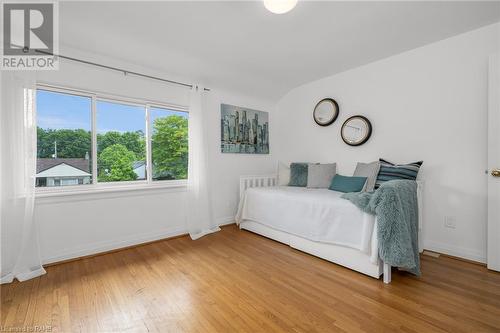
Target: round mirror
(356, 130)
(326, 112)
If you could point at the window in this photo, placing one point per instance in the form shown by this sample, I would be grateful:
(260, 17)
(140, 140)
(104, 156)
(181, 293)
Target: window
(121, 143)
(64, 147)
(125, 135)
(169, 142)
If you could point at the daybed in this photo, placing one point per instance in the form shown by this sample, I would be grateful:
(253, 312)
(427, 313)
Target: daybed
(316, 221)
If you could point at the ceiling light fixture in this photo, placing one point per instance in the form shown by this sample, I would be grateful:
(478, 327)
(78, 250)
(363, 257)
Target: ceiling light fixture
(280, 6)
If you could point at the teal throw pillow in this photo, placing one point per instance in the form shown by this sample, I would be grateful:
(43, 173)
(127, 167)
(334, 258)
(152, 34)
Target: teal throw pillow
(298, 174)
(347, 184)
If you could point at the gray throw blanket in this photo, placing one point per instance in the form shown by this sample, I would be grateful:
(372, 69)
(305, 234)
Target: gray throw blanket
(396, 207)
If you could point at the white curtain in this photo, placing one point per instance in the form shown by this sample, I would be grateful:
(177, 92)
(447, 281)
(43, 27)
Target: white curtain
(200, 218)
(20, 255)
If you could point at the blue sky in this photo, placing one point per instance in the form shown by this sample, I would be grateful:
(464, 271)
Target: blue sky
(63, 111)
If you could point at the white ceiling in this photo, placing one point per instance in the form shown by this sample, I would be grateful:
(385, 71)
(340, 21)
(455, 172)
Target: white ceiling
(242, 46)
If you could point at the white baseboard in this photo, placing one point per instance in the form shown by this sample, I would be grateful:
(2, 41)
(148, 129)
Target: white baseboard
(100, 247)
(226, 220)
(97, 248)
(455, 251)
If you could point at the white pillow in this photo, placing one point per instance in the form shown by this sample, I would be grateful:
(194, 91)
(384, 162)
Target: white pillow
(320, 175)
(370, 171)
(283, 174)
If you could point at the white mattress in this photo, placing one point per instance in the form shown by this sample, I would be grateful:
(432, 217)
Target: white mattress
(316, 214)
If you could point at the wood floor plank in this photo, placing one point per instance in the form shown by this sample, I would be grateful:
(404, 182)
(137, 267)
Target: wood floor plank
(237, 281)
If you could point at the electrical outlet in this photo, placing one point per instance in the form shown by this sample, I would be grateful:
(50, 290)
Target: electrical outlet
(450, 222)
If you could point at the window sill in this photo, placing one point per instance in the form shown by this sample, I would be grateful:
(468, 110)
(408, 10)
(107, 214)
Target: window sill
(116, 189)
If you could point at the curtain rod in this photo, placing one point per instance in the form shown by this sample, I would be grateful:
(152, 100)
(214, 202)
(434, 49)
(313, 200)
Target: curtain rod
(124, 71)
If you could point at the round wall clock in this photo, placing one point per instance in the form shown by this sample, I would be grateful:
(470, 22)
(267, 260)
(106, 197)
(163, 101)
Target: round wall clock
(356, 130)
(326, 112)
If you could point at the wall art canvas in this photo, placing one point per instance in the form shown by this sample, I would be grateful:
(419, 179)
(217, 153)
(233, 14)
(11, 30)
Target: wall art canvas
(243, 130)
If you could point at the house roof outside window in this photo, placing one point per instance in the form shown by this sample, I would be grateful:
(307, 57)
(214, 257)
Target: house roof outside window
(62, 167)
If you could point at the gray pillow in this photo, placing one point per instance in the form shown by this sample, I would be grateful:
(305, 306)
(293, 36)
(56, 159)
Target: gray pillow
(298, 174)
(320, 175)
(370, 171)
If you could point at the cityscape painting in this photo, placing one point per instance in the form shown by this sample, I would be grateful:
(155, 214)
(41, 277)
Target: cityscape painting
(244, 131)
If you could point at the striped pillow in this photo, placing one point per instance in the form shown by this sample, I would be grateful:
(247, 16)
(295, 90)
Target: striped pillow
(391, 171)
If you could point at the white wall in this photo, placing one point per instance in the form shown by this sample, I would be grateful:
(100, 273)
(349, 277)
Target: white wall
(426, 104)
(73, 226)
(227, 168)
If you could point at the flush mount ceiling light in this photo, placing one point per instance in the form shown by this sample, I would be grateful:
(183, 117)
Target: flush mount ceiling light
(280, 6)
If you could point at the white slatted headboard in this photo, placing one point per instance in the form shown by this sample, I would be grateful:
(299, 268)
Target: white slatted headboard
(257, 181)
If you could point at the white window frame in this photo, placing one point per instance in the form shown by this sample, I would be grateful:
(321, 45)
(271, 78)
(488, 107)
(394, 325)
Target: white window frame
(98, 187)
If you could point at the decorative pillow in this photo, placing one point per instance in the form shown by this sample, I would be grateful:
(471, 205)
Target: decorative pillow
(347, 184)
(391, 171)
(283, 174)
(320, 175)
(298, 174)
(370, 171)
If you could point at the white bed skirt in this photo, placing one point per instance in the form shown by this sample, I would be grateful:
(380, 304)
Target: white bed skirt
(344, 256)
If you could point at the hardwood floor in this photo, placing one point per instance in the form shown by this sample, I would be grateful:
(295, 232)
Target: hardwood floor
(238, 281)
